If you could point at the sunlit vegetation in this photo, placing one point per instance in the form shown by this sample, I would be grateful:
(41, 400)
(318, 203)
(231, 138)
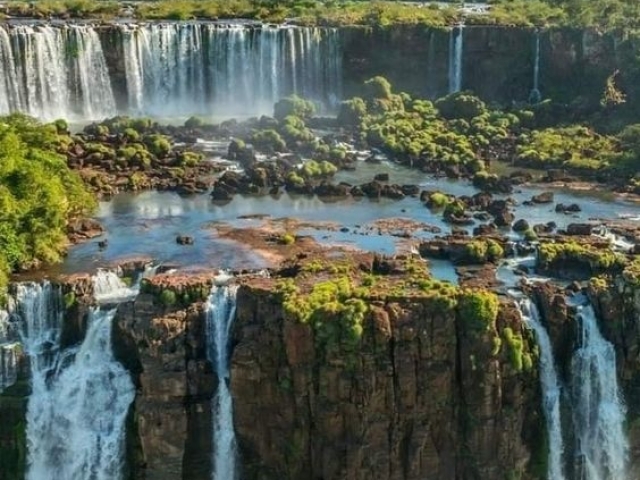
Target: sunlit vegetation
(39, 194)
(607, 14)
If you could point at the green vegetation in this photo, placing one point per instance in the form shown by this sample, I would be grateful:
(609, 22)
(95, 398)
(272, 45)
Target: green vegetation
(479, 309)
(333, 310)
(578, 255)
(482, 251)
(39, 195)
(604, 14)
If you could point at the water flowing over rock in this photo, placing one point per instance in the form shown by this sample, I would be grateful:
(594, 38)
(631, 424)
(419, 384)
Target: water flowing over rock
(53, 72)
(535, 96)
(550, 390)
(220, 310)
(80, 395)
(8, 353)
(169, 69)
(598, 411)
(203, 68)
(455, 59)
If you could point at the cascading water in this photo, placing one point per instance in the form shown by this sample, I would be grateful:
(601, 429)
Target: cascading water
(455, 58)
(550, 390)
(53, 72)
(535, 95)
(170, 69)
(221, 308)
(9, 352)
(598, 410)
(185, 68)
(80, 396)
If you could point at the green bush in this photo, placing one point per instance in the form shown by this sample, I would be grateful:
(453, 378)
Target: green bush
(479, 309)
(268, 140)
(158, 145)
(461, 105)
(293, 105)
(352, 112)
(167, 298)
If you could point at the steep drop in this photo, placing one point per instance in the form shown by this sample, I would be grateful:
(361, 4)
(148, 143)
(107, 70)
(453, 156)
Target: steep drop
(78, 72)
(80, 395)
(598, 411)
(550, 390)
(54, 72)
(221, 308)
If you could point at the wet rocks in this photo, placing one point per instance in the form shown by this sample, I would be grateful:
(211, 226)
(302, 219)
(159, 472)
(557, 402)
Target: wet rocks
(571, 208)
(542, 198)
(579, 229)
(83, 229)
(521, 225)
(184, 240)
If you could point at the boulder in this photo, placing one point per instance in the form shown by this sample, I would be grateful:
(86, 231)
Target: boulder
(544, 197)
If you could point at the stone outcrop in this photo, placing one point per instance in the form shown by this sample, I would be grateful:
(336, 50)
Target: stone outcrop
(424, 398)
(169, 434)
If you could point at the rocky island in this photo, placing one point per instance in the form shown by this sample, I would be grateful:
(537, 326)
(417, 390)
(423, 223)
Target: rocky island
(369, 240)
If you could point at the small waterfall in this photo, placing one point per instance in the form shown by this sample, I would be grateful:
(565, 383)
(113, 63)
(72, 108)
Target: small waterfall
(550, 390)
(108, 286)
(455, 58)
(535, 95)
(9, 352)
(221, 309)
(598, 410)
(80, 396)
(52, 72)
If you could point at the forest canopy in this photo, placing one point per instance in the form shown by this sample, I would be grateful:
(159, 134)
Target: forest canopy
(39, 194)
(600, 14)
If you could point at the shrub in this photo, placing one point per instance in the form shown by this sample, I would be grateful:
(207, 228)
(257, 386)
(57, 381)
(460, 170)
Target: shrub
(158, 145)
(167, 298)
(352, 112)
(293, 105)
(268, 140)
(461, 105)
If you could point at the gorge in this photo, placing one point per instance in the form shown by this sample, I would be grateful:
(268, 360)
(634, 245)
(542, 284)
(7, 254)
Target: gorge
(386, 287)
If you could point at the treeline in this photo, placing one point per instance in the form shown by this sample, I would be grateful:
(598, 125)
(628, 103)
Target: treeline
(39, 194)
(600, 14)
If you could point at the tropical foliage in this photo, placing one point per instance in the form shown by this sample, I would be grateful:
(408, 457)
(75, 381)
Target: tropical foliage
(38, 194)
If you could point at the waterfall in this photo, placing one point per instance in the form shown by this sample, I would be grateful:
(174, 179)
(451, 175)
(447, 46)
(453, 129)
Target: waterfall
(598, 410)
(52, 72)
(455, 58)
(80, 395)
(221, 309)
(205, 68)
(550, 390)
(166, 69)
(535, 96)
(9, 352)
(109, 287)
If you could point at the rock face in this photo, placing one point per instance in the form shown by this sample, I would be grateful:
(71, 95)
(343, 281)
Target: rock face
(497, 62)
(169, 433)
(424, 398)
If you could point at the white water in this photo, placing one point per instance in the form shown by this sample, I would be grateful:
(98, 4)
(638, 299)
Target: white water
(54, 72)
(598, 410)
(550, 390)
(171, 69)
(535, 96)
(80, 396)
(455, 58)
(108, 286)
(221, 308)
(9, 352)
(186, 68)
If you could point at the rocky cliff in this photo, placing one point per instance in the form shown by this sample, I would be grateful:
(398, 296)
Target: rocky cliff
(425, 394)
